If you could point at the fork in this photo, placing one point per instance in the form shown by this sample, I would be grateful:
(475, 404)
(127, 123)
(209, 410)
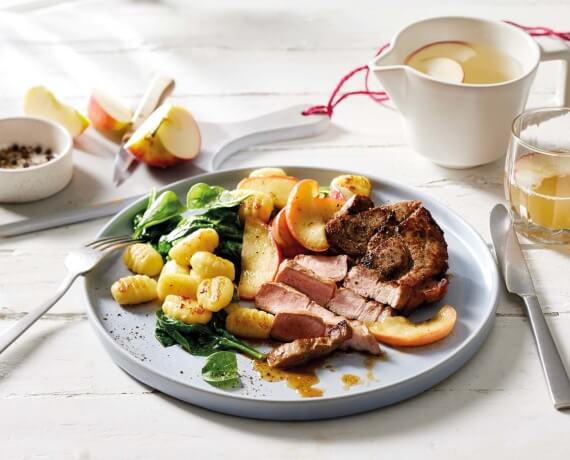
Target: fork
(77, 262)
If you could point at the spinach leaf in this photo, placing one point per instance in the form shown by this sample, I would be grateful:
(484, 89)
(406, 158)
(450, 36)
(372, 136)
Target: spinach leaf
(159, 209)
(204, 196)
(224, 220)
(201, 339)
(221, 370)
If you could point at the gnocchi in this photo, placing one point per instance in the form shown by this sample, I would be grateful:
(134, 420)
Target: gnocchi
(204, 239)
(215, 293)
(208, 265)
(249, 323)
(186, 310)
(258, 205)
(181, 284)
(134, 289)
(143, 259)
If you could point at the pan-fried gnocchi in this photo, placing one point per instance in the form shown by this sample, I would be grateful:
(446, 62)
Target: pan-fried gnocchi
(208, 265)
(249, 323)
(204, 239)
(182, 284)
(215, 293)
(134, 289)
(186, 310)
(143, 259)
(258, 205)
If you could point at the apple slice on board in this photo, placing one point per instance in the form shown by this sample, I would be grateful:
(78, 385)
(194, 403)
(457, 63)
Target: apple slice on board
(170, 135)
(41, 102)
(260, 258)
(106, 113)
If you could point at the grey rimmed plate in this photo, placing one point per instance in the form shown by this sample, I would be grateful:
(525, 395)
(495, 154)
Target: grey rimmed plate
(128, 333)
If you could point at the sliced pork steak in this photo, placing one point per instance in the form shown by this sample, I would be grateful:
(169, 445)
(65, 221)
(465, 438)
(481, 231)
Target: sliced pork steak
(278, 298)
(302, 350)
(349, 304)
(331, 267)
(317, 288)
(292, 326)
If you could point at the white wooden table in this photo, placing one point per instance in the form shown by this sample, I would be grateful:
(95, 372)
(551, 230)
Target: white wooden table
(61, 397)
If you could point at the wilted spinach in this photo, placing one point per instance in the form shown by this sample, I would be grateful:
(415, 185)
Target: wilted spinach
(201, 339)
(221, 370)
(161, 209)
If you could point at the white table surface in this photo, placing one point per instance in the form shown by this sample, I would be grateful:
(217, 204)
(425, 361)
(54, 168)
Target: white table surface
(61, 397)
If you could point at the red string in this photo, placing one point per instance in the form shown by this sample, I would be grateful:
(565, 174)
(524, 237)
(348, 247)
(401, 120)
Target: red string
(382, 96)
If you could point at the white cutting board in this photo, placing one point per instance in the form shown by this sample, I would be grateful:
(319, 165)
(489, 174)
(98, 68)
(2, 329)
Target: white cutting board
(91, 188)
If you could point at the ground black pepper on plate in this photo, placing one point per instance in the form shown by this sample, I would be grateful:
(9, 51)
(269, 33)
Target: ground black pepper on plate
(23, 156)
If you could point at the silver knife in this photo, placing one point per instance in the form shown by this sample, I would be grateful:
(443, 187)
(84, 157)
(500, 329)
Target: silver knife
(157, 91)
(518, 281)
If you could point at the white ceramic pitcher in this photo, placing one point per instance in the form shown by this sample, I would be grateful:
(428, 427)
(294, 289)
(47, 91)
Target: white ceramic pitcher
(462, 125)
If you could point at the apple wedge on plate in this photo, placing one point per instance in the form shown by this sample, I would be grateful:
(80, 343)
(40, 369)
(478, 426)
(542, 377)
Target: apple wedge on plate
(260, 258)
(170, 135)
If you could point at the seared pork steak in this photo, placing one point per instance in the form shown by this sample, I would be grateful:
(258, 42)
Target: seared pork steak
(292, 326)
(400, 251)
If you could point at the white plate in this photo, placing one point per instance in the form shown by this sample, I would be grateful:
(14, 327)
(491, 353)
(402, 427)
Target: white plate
(128, 333)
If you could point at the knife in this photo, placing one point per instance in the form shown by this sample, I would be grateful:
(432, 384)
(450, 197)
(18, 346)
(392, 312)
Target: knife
(518, 281)
(157, 91)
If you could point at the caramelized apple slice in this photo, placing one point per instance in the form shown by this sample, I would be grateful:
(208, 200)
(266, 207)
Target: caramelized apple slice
(280, 231)
(346, 186)
(278, 187)
(401, 332)
(260, 258)
(307, 213)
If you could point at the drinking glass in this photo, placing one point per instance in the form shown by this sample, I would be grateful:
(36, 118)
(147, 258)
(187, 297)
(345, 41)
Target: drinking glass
(537, 176)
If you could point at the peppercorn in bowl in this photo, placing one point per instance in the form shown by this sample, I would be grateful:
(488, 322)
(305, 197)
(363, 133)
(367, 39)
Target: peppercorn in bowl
(35, 159)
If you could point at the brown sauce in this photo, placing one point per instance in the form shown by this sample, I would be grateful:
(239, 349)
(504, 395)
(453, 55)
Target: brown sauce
(349, 380)
(370, 363)
(301, 378)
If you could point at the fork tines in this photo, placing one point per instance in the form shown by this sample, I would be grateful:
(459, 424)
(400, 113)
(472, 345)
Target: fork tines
(112, 242)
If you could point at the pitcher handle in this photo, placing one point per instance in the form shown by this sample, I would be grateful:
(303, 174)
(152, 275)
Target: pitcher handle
(562, 53)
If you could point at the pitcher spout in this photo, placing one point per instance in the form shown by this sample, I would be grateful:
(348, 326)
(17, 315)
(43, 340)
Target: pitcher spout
(392, 76)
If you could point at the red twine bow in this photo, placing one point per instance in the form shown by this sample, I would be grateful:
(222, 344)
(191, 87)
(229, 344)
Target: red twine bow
(381, 96)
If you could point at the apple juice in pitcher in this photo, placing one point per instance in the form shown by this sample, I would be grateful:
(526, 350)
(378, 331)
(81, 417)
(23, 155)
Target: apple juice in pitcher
(462, 62)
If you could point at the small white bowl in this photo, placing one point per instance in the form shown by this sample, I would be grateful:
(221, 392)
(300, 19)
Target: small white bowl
(36, 182)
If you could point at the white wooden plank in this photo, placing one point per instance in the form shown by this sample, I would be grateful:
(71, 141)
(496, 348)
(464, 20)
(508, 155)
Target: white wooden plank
(81, 406)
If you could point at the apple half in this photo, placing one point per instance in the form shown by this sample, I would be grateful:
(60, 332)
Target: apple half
(444, 69)
(106, 113)
(170, 135)
(41, 102)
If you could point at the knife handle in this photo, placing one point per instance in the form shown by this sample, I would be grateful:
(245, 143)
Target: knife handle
(156, 92)
(554, 371)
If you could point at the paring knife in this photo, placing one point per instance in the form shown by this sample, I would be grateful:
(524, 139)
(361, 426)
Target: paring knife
(157, 91)
(518, 281)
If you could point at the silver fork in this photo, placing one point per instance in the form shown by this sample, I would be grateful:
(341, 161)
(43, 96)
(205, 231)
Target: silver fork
(77, 262)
